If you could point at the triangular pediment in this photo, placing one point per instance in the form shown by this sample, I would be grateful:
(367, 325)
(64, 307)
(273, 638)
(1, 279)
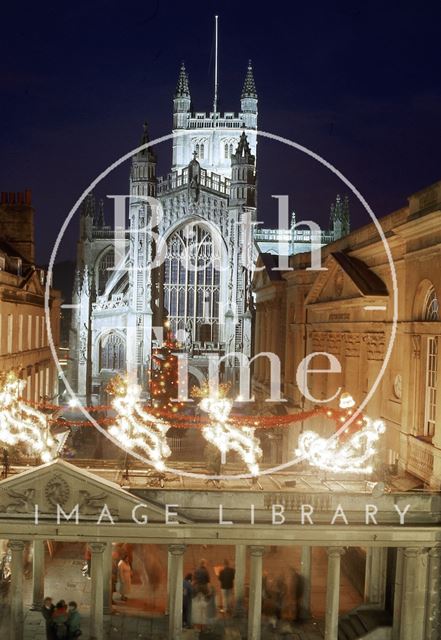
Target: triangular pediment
(266, 271)
(32, 284)
(345, 278)
(61, 483)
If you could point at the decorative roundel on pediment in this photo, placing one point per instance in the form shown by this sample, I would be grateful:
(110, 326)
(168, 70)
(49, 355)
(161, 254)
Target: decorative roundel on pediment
(338, 283)
(57, 491)
(398, 386)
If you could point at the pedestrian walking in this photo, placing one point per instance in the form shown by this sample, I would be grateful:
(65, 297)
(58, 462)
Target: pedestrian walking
(199, 605)
(124, 577)
(297, 590)
(226, 579)
(46, 611)
(280, 594)
(187, 596)
(211, 604)
(73, 621)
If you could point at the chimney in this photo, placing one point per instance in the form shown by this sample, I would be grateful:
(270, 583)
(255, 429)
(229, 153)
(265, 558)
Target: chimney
(11, 197)
(19, 198)
(4, 197)
(28, 197)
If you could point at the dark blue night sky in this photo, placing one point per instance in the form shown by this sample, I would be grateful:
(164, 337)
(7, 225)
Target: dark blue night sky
(358, 83)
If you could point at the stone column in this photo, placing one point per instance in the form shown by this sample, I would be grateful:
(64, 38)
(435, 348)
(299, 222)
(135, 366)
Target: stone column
(96, 595)
(107, 579)
(255, 599)
(38, 575)
(398, 590)
(375, 576)
(433, 604)
(333, 592)
(239, 580)
(176, 557)
(412, 623)
(16, 591)
(167, 600)
(304, 611)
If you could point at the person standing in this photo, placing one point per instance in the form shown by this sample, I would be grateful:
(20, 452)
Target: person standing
(187, 595)
(124, 577)
(226, 579)
(59, 618)
(47, 611)
(202, 577)
(73, 621)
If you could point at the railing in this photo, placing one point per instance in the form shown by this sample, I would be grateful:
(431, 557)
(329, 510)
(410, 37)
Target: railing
(176, 180)
(420, 458)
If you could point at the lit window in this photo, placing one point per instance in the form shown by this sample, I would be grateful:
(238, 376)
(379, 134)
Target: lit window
(431, 306)
(113, 352)
(10, 332)
(192, 282)
(431, 383)
(104, 271)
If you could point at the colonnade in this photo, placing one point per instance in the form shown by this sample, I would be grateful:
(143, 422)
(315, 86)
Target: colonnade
(417, 606)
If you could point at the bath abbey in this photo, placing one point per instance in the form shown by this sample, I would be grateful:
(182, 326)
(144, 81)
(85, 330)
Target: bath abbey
(186, 255)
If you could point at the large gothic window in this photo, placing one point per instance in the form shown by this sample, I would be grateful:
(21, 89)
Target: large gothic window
(192, 282)
(104, 271)
(113, 352)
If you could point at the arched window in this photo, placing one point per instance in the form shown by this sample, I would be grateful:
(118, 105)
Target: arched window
(202, 151)
(425, 357)
(197, 150)
(231, 150)
(192, 282)
(226, 152)
(104, 271)
(113, 352)
(431, 306)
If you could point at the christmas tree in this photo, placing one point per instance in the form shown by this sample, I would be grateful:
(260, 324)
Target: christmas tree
(164, 374)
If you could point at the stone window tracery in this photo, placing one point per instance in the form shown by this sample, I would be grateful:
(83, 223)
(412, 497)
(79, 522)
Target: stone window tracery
(192, 282)
(113, 352)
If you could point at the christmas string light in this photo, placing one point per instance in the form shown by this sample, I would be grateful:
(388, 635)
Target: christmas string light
(351, 456)
(134, 428)
(222, 433)
(20, 423)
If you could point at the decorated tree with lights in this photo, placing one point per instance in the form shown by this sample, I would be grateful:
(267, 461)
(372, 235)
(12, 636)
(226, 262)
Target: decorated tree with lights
(164, 374)
(135, 429)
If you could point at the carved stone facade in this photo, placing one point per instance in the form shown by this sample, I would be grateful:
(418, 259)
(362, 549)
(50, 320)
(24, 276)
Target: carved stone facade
(347, 311)
(206, 203)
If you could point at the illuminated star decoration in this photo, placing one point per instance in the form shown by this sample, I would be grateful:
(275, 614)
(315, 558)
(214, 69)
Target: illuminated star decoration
(21, 423)
(226, 436)
(351, 456)
(134, 428)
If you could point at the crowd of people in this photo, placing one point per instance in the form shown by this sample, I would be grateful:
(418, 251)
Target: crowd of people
(281, 593)
(63, 621)
(281, 596)
(199, 595)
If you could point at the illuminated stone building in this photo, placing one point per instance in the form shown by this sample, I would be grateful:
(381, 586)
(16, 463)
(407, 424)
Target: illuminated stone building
(347, 311)
(23, 335)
